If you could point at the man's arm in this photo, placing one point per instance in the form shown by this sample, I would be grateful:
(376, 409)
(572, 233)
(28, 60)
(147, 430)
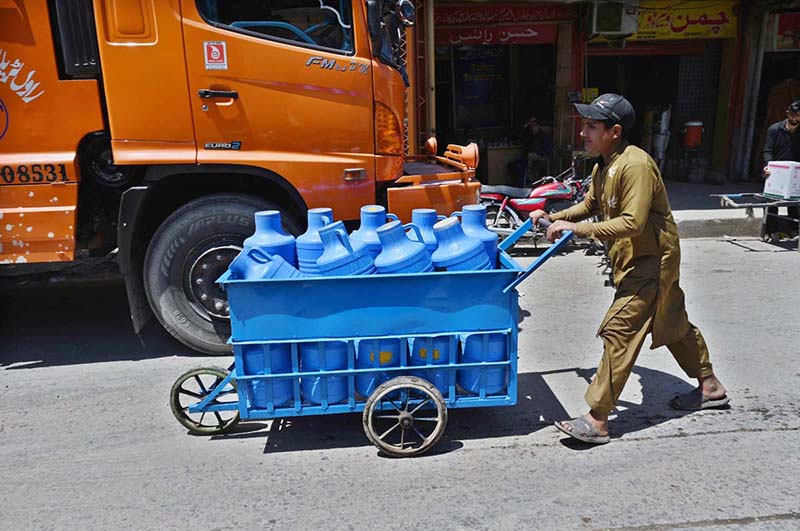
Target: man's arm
(584, 210)
(769, 145)
(636, 197)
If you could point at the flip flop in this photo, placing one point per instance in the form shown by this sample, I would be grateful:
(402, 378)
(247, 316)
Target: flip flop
(695, 401)
(583, 430)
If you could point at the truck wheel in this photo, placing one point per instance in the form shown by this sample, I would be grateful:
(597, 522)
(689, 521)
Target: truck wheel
(188, 252)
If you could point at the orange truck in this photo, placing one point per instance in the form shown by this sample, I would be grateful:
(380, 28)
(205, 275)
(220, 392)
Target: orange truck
(154, 129)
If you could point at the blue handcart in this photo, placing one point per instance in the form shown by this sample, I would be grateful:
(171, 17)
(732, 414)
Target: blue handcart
(402, 349)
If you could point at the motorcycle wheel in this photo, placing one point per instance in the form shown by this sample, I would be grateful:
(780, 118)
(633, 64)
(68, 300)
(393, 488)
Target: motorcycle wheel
(497, 219)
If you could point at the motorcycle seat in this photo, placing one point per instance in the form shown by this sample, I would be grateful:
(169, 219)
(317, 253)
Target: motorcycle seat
(510, 191)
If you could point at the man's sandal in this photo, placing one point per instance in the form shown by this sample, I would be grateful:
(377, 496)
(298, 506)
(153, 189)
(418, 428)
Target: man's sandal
(695, 401)
(583, 430)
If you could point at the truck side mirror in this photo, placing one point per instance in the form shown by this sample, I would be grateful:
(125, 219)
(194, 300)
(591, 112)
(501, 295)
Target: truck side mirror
(374, 20)
(406, 12)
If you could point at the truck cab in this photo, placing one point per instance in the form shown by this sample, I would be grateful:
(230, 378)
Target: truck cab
(155, 130)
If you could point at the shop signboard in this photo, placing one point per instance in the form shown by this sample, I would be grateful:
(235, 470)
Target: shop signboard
(503, 34)
(481, 87)
(479, 15)
(693, 19)
(787, 32)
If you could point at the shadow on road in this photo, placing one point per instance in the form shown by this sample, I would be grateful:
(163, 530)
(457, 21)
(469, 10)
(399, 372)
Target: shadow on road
(50, 324)
(537, 409)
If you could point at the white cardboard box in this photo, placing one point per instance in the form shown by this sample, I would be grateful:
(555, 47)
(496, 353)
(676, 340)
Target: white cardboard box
(783, 180)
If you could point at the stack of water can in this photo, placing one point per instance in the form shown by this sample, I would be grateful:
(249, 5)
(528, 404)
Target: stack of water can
(381, 245)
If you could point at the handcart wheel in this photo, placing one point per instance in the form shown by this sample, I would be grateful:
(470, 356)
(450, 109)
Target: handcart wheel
(191, 388)
(405, 416)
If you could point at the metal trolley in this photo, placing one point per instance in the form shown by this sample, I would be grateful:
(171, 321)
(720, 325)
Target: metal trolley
(405, 413)
(750, 201)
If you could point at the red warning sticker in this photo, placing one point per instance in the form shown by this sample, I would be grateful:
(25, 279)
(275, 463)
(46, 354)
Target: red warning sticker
(216, 55)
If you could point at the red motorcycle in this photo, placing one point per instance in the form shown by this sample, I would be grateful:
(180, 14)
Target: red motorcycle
(508, 207)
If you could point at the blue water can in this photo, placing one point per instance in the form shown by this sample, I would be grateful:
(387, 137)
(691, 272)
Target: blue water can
(473, 223)
(268, 358)
(309, 244)
(340, 256)
(323, 356)
(374, 353)
(372, 218)
(457, 251)
(254, 264)
(270, 238)
(433, 351)
(424, 219)
(400, 254)
(483, 347)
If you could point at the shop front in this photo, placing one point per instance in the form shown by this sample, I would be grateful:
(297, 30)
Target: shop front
(778, 79)
(677, 71)
(502, 76)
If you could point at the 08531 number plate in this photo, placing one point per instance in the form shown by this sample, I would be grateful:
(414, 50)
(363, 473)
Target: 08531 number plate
(34, 173)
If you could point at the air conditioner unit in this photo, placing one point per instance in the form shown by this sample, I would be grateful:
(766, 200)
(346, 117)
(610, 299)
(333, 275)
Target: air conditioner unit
(615, 19)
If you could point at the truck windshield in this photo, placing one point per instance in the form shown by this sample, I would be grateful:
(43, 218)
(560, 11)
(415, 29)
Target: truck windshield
(323, 23)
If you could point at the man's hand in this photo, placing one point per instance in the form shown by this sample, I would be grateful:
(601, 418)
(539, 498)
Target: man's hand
(766, 173)
(555, 230)
(536, 215)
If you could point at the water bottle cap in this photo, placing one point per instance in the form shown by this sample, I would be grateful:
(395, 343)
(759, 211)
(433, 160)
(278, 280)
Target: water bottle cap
(445, 223)
(386, 227)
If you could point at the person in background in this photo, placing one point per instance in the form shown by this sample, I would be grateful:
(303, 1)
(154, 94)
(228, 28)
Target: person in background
(783, 143)
(627, 190)
(537, 146)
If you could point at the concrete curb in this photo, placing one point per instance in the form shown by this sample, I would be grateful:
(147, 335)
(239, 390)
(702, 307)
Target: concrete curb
(716, 223)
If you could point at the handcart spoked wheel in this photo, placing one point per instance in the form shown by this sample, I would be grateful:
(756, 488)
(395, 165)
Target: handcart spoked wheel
(192, 387)
(405, 416)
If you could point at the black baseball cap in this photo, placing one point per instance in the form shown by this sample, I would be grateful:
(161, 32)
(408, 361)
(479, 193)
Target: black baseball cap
(609, 107)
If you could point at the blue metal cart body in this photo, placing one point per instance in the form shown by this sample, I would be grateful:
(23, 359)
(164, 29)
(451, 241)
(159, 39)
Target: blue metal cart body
(452, 308)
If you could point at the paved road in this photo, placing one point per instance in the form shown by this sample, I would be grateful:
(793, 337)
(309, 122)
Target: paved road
(88, 441)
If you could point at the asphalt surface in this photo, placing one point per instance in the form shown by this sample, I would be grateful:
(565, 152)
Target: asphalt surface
(88, 440)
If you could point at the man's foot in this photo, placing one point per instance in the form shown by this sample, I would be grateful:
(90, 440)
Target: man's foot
(586, 428)
(711, 388)
(709, 394)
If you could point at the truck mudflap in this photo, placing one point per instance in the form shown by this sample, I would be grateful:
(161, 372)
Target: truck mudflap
(445, 183)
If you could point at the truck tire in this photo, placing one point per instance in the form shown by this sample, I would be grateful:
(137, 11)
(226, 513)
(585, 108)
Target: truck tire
(188, 252)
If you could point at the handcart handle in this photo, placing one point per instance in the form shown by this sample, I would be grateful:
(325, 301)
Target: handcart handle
(553, 249)
(512, 238)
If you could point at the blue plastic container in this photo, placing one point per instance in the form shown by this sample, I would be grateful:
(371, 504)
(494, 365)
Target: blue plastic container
(270, 238)
(473, 223)
(373, 353)
(372, 218)
(254, 264)
(267, 358)
(309, 244)
(457, 251)
(484, 347)
(340, 256)
(433, 351)
(323, 356)
(399, 254)
(425, 219)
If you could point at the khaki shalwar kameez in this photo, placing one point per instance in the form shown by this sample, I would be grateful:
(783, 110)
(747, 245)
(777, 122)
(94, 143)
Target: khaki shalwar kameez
(645, 258)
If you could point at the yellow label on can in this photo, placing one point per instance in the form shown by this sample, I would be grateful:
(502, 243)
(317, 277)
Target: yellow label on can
(423, 353)
(385, 357)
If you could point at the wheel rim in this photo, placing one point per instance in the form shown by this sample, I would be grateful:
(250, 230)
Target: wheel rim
(205, 295)
(192, 388)
(497, 219)
(406, 418)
